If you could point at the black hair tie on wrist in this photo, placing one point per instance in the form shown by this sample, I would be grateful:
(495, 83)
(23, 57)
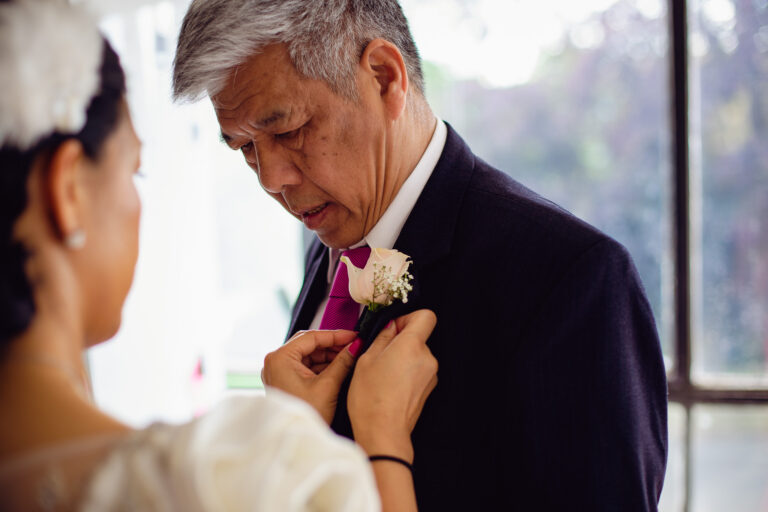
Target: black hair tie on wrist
(374, 458)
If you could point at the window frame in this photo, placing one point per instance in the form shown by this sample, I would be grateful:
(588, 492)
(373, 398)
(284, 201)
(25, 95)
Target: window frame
(683, 390)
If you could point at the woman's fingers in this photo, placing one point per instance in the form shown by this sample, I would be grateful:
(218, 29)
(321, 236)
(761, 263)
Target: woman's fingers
(337, 370)
(420, 324)
(416, 326)
(307, 348)
(317, 368)
(322, 355)
(305, 343)
(311, 366)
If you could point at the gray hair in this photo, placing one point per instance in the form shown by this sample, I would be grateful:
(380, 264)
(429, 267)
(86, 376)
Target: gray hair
(325, 40)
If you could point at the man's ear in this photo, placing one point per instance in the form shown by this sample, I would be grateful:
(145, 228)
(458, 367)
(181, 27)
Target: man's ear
(64, 188)
(384, 63)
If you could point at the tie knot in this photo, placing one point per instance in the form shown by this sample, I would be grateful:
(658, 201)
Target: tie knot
(359, 256)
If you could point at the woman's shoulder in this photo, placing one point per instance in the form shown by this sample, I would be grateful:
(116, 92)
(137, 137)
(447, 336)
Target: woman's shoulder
(268, 452)
(51, 477)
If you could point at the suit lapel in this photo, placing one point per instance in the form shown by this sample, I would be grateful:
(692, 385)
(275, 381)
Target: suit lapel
(313, 289)
(428, 233)
(426, 237)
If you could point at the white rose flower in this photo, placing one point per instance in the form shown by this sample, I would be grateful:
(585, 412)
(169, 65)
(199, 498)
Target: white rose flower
(384, 278)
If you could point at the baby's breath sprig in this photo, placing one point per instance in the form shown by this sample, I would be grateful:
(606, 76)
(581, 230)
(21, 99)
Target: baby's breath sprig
(387, 284)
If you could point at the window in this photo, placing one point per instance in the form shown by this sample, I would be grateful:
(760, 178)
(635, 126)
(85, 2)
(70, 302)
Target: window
(648, 119)
(721, 73)
(220, 261)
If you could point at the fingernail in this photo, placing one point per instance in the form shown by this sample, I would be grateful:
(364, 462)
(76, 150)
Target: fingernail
(355, 347)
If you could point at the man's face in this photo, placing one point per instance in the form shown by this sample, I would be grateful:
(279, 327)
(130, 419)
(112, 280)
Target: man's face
(320, 155)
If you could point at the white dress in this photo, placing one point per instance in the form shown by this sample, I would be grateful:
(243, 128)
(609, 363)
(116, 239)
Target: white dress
(270, 453)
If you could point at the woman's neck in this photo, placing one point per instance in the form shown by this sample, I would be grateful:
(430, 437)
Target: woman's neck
(52, 343)
(44, 392)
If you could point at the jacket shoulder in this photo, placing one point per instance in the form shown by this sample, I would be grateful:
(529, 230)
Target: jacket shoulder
(498, 207)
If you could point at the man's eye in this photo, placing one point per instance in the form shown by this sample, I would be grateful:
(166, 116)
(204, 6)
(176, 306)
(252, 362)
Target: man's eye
(288, 135)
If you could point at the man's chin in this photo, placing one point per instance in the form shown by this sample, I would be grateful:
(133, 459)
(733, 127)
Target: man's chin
(331, 242)
(334, 241)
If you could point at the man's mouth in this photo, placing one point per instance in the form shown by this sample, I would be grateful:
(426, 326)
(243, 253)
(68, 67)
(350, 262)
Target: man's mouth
(314, 211)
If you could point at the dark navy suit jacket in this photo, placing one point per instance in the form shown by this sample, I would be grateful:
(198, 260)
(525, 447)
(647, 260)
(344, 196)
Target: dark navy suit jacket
(552, 391)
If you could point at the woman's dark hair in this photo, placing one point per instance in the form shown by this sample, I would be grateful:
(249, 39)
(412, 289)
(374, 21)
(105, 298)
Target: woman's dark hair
(17, 307)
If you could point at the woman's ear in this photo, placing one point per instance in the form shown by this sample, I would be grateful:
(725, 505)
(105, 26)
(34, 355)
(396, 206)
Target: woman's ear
(384, 62)
(64, 190)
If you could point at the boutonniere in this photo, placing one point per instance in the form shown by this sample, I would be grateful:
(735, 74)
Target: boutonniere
(383, 279)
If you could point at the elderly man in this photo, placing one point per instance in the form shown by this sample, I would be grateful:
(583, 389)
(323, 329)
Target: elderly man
(552, 391)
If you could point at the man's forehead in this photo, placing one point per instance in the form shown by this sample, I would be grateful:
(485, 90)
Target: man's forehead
(238, 91)
(253, 100)
(271, 70)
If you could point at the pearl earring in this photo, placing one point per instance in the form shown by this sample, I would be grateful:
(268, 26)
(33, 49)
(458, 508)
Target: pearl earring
(75, 240)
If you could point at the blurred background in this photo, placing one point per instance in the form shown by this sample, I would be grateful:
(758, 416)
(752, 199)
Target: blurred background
(575, 100)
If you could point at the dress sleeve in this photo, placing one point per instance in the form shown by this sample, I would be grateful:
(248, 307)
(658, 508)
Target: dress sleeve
(250, 453)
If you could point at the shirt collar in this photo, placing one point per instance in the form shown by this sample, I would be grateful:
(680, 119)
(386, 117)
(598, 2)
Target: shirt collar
(384, 234)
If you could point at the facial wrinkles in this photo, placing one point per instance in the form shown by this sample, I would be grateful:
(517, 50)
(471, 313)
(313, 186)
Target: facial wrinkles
(246, 110)
(248, 127)
(241, 94)
(309, 193)
(237, 125)
(382, 194)
(313, 155)
(290, 196)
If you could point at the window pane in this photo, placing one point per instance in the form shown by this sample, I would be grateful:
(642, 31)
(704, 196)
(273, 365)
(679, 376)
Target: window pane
(571, 99)
(729, 152)
(673, 494)
(729, 459)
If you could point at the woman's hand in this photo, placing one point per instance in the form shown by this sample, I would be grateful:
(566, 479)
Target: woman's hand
(311, 365)
(391, 382)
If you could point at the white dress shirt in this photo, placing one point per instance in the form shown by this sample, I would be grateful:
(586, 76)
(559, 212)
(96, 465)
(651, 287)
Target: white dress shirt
(384, 234)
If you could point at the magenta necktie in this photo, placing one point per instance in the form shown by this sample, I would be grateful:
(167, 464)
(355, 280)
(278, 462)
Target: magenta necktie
(342, 312)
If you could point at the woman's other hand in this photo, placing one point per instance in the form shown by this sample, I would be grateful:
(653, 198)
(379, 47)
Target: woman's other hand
(391, 382)
(311, 365)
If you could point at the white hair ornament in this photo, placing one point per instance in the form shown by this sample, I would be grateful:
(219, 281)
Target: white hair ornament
(50, 55)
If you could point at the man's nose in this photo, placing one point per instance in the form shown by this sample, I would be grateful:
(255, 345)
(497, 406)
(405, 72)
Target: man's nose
(275, 168)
